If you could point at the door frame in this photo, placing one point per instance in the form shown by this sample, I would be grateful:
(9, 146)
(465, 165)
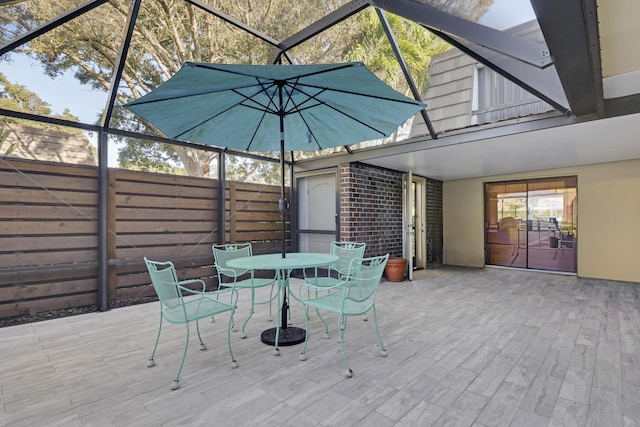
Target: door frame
(336, 231)
(414, 230)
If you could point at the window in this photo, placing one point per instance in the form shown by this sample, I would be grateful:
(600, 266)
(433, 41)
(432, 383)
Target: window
(495, 98)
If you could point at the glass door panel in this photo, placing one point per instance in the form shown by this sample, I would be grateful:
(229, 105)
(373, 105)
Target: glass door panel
(532, 224)
(505, 234)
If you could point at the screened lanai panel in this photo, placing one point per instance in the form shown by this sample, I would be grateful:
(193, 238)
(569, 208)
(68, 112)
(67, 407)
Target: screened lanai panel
(18, 18)
(166, 35)
(381, 41)
(63, 73)
(246, 169)
(281, 18)
(496, 14)
(31, 140)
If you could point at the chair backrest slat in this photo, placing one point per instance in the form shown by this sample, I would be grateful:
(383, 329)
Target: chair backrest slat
(364, 277)
(165, 282)
(346, 251)
(222, 254)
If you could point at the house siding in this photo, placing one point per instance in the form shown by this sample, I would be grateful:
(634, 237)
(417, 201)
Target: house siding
(450, 94)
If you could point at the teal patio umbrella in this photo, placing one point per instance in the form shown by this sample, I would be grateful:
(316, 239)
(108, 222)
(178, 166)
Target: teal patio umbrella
(275, 108)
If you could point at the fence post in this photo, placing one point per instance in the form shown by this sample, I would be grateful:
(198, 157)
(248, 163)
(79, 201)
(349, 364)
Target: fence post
(103, 267)
(232, 212)
(112, 235)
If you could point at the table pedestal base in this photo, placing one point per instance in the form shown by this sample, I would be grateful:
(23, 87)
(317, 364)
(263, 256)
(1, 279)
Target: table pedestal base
(288, 336)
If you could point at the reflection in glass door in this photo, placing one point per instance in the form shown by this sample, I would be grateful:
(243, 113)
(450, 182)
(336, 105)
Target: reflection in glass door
(532, 224)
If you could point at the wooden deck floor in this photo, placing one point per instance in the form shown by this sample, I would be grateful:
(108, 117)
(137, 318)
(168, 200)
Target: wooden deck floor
(466, 347)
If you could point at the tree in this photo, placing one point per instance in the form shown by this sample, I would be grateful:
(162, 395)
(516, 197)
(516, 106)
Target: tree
(149, 156)
(373, 48)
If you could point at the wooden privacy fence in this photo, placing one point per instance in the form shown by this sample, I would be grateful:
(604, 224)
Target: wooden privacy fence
(49, 231)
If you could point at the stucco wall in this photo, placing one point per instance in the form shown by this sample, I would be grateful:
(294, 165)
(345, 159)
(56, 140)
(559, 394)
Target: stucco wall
(608, 219)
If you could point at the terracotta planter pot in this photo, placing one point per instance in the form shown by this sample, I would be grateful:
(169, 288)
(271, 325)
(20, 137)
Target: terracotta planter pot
(394, 270)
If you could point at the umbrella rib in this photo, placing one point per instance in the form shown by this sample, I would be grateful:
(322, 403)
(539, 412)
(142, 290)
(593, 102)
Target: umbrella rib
(320, 102)
(140, 101)
(217, 68)
(264, 108)
(355, 119)
(366, 95)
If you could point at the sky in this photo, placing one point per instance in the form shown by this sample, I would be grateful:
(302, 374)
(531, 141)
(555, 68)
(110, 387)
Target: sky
(508, 13)
(87, 104)
(63, 92)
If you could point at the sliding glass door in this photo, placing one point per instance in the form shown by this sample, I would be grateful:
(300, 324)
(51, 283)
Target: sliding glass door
(532, 224)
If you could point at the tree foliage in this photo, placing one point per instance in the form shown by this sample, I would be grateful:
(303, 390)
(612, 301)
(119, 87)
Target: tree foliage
(16, 97)
(373, 48)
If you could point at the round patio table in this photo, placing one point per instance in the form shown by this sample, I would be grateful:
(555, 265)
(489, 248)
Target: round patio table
(283, 335)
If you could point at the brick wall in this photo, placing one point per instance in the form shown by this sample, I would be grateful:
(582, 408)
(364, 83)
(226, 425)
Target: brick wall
(371, 211)
(371, 208)
(434, 222)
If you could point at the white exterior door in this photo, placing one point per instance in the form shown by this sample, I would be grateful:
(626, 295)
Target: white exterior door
(317, 214)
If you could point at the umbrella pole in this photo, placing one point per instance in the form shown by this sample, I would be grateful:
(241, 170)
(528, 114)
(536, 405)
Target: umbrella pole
(283, 204)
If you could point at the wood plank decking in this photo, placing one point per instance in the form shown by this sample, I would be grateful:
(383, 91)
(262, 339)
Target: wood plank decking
(466, 347)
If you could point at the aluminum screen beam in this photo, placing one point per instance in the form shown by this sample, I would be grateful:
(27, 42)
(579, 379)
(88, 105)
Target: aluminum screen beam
(319, 26)
(543, 83)
(405, 69)
(570, 28)
(48, 26)
(525, 50)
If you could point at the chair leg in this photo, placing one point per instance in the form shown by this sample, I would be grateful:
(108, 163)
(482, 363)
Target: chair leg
(234, 363)
(303, 354)
(233, 292)
(202, 345)
(343, 326)
(253, 294)
(383, 350)
(176, 383)
(271, 297)
(151, 362)
(326, 326)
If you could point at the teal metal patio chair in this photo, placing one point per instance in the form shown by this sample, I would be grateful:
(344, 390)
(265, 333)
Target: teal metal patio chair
(181, 305)
(236, 278)
(354, 296)
(336, 272)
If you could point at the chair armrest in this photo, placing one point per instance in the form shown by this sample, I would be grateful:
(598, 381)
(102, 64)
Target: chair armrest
(311, 287)
(315, 275)
(229, 272)
(216, 293)
(207, 294)
(182, 283)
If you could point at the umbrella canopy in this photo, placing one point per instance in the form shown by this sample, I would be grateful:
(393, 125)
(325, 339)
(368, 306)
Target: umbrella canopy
(275, 107)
